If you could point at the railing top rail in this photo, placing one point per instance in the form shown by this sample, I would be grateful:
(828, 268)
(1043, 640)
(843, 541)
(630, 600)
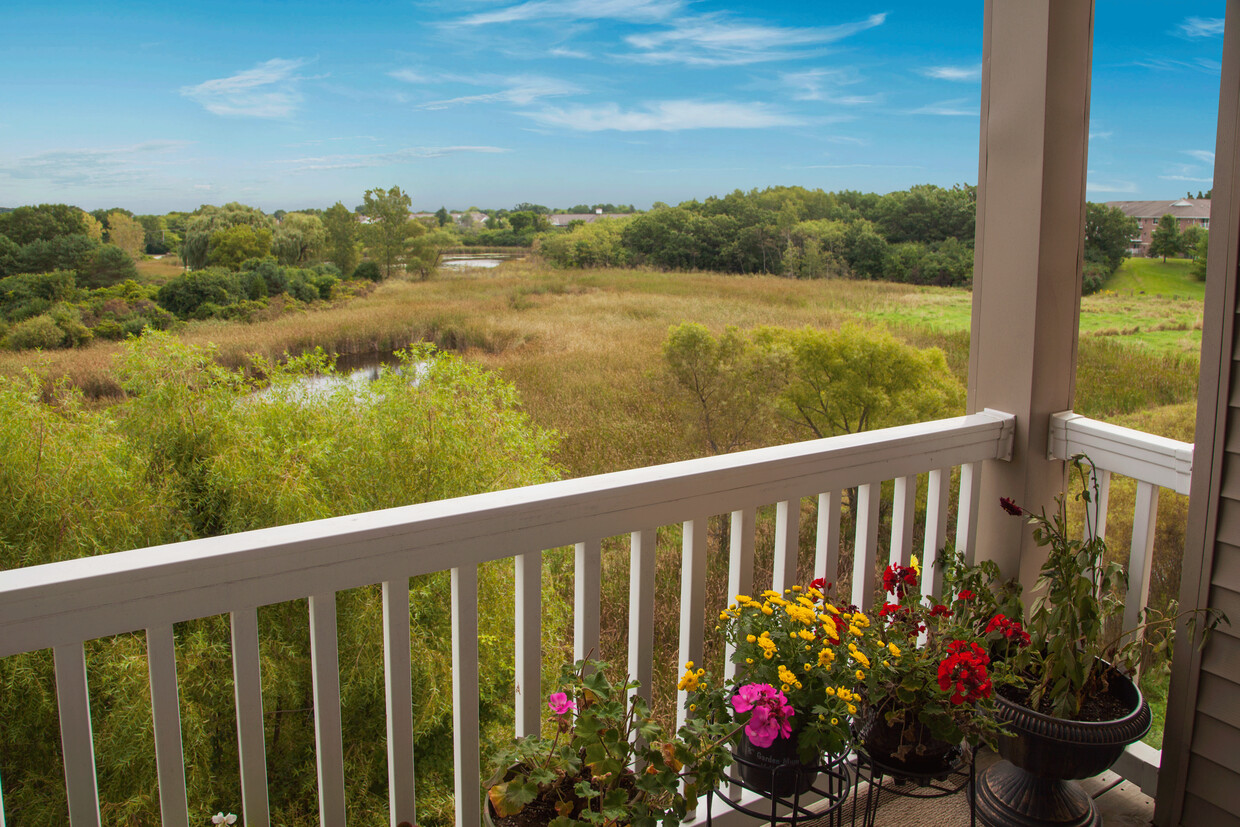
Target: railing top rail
(1154, 459)
(76, 600)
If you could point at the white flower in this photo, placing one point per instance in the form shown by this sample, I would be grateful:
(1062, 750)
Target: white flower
(220, 818)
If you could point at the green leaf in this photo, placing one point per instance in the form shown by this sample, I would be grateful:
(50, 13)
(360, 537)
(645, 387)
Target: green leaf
(510, 797)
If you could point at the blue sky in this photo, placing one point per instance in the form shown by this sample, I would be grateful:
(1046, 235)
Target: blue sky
(491, 102)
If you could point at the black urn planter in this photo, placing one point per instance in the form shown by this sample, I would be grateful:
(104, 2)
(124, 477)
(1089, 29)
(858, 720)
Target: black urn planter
(776, 770)
(1035, 785)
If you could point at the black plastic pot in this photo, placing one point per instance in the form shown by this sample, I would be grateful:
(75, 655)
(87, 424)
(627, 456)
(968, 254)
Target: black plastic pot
(775, 770)
(925, 755)
(1035, 783)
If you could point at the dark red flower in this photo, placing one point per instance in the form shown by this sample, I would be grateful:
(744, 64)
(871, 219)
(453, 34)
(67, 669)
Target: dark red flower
(819, 583)
(963, 673)
(940, 610)
(898, 580)
(1010, 629)
(1011, 507)
(965, 595)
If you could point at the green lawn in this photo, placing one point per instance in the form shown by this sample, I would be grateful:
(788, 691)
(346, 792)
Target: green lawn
(1151, 276)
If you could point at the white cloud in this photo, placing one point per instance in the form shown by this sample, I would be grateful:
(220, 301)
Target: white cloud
(409, 76)
(631, 11)
(1201, 64)
(953, 107)
(666, 116)
(111, 166)
(1094, 136)
(563, 52)
(269, 90)
(1111, 186)
(1203, 155)
(1201, 27)
(521, 90)
(967, 74)
(400, 156)
(818, 85)
(711, 40)
(1188, 178)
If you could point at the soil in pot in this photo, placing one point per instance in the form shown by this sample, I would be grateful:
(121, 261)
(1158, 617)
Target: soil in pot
(1103, 706)
(540, 811)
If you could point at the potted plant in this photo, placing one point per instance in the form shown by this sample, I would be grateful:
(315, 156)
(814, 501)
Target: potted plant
(606, 762)
(929, 696)
(799, 660)
(1076, 709)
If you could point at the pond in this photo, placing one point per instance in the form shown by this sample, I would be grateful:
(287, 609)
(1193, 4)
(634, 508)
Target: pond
(461, 261)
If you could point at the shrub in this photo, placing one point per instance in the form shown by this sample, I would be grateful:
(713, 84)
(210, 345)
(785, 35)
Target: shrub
(1094, 277)
(108, 266)
(369, 271)
(40, 332)
(187, 293)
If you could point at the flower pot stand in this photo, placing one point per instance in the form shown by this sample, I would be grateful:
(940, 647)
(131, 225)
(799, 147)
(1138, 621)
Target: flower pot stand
(816, 804)
(957, 775)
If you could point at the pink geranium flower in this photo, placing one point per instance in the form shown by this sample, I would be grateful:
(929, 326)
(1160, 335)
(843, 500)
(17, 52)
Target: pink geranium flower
(560, 704)
(770, 713)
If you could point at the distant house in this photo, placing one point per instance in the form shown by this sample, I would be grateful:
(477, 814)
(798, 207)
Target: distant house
(565, 218)
(1189, 211)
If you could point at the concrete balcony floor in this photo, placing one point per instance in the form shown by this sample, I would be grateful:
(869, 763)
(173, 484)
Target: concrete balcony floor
(1121, 803)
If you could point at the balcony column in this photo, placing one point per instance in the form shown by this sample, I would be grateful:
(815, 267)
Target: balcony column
(1030, 242)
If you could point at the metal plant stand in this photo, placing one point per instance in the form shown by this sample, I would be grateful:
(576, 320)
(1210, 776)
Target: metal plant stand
(818, 806)
(958, 775)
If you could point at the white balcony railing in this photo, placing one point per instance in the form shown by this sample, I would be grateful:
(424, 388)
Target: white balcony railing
(63, 605)
(1155, 463)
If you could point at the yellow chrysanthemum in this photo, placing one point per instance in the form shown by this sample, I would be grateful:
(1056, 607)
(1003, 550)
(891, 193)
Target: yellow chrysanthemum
(767, 610)
(894, 650)
(852, 710)
(859, 619)
(853, 630)
(825, 657)
(689, 682)
(751, 638)
(830, 690)
(835, 722)
(860, 675)
(805, 634)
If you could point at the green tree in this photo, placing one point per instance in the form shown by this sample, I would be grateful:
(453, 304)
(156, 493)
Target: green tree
(45, 222)
(390, 228)
(1200, 254)
(1166, 238)
(110, 265)
(126, 233)
(1108, 235)
(728, 385)
(208, 220)
(424, 251)
(859, 378)
(443, 216)
(341, 237)
(232, 246)
(299, 239)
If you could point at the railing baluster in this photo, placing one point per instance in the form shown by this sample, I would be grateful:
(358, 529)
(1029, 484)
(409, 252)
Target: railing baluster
(1098, 509)
(903, 511)
(398, 697)
(528, 607)
(465, 739)
(740, 569)
(866, 547)
(787, 544)
(166, 714)
(247, 689)
(692, 600)
(937, 488)
(328, 739)
(587, 590)
(641, 608)
(76, 738)
(1141, 556)
(966, 511)
(827, 541)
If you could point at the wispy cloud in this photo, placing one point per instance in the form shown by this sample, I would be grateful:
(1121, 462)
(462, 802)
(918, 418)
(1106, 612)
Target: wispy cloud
(631, 11)
(380, 159)
(665, 116)
(713, 40)
(1203, 155)
(1201, 64)
(409, 76)
(859, 166)
(1100, 136)
(269, 90)
(823, 85)
(1111, 186)
(1189, 178)
(956, 107)
(565, 52)
(100, 166)
(1200, 27)
(963, 74)
(521, 90)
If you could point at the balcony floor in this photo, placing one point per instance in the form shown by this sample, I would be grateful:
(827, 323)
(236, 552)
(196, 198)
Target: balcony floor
(1124, 805)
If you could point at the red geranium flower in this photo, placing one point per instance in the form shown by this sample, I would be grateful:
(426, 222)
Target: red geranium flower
(963, 672)
(940, 610)
(1011, 507)
(899, 579)
(1010, 629)
(966, 595)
